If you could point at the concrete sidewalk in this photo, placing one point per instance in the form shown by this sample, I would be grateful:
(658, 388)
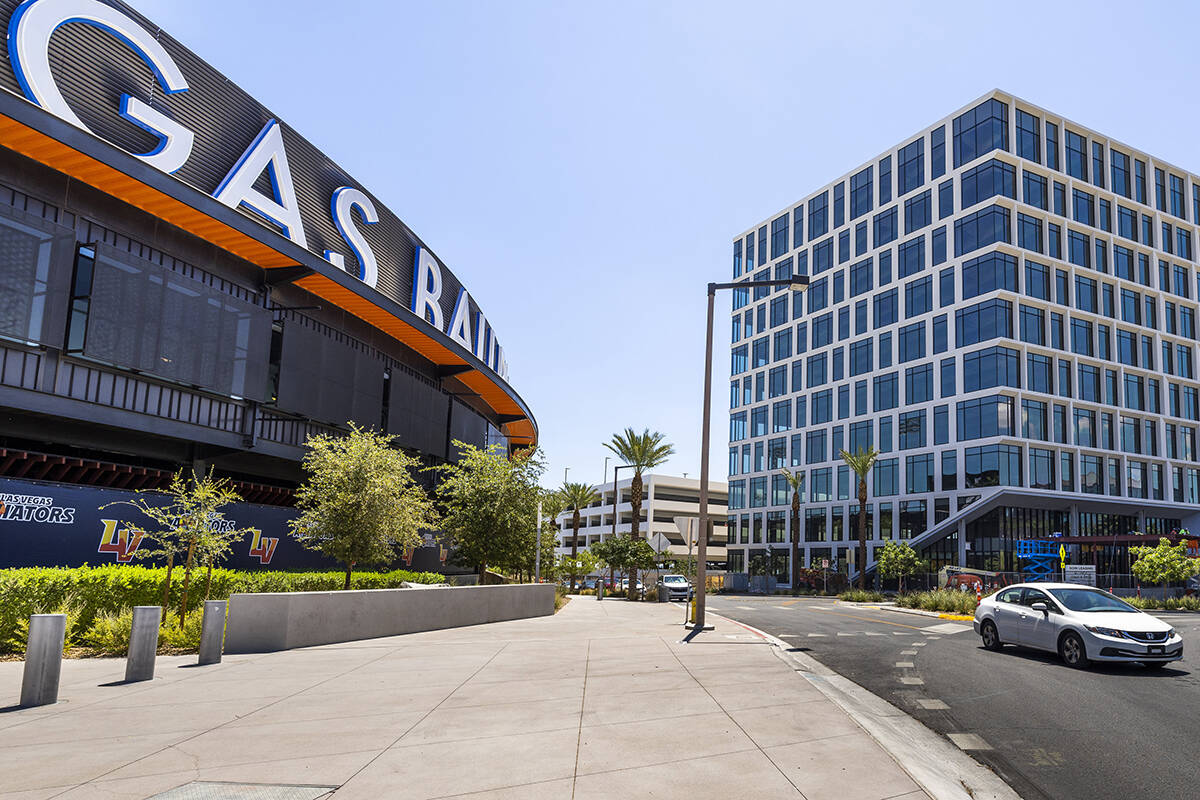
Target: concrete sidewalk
(601, 700)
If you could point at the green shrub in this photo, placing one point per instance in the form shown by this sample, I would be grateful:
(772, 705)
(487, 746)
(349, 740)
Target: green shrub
(109, 633)
(1190, 603)
(90, 592)
(861, 596)
(171, 637)
(946, 601)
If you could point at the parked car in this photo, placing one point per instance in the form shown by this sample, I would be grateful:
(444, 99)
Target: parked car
(1080, 623)
(676, 587)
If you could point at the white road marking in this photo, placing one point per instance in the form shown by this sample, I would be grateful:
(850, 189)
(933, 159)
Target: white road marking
(932, 705)
(873, 633)
(744, 608)
(814, 635)
(904, 664)
(947, 627)
(843, 633)
(785, 608)
(820, 608)
(912, 681)
(899, 633)
(908, 652)
(918, 644)
(968, 741)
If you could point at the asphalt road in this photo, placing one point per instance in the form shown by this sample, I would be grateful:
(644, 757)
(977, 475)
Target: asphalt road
(1051, 732)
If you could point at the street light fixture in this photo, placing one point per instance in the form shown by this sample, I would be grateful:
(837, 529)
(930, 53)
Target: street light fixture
(616, 469)
(797, 283)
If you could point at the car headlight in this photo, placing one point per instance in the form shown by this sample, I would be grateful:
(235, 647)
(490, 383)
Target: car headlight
(1116, 634)
(1171, 633)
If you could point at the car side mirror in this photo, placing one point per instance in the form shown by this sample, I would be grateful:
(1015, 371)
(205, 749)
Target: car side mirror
(1042, 607)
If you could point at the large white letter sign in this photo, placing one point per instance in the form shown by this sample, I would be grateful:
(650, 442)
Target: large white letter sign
(237, 189)
(460, 320)
(427, 289)
(29, 32)
(344, 200)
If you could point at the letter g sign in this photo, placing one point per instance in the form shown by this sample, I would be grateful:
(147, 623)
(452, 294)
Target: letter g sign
(29, 32)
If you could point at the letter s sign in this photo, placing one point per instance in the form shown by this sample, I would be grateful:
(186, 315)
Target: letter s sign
(29, 32)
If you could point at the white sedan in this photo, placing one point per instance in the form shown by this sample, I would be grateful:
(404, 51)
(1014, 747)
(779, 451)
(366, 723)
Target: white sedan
(1080, 623)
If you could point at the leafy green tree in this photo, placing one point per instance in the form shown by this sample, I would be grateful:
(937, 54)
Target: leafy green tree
(576, 496)
(897, 560)
(795, 482)
(186, 518)
(642, 451)
(553, 506)
(582, 562)
(860, 463)
(489, 502)
(360, 500)
(1166, 563)
(627, 554)
(605, 552)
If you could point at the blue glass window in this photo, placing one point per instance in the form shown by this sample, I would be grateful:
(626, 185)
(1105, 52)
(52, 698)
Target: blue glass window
(980, 130)
(887, 391)
(918, 211)
(1077, 248)
(1033, 325)
(947, 377)
(823, 256)
(822, 331)
(885, 180)
(861, 193)
(918, 384)
(798, 226)
(1029, 233)
(1034, 191)
(885, 308)
(939, 245)
(885, 267)
(911, 428)
(1084, 207)
(860, 238)
(861, 277)
(937, 152)
(911, 161)
(912, 342)
(1029, 143)
(843, 247)
(988, 180)
(990, 319)
(984, 417)
(918, 297)
(994, 366)
(912, 257)
(839, 205)
(818, 216)
(885, 226)
(940, 343)
(1051, 145)
(987, 273)
(946, 287)
(779, 236)
(1037, 280)
(1120, 172)
(981, 229)
(1076, 155)
(860, 357)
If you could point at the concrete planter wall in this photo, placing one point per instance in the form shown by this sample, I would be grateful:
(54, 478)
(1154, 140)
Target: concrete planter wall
(260, 623)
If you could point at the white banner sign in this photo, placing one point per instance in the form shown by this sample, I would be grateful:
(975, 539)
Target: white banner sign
(1080, 573)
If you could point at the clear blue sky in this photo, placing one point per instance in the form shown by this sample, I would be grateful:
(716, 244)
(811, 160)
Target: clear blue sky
(583, 167)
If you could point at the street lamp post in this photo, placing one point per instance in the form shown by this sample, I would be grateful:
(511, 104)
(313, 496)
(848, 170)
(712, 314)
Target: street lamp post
(617, 469)
(797, 283)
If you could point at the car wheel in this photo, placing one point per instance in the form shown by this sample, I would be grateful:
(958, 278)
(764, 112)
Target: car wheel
(1072, 651)
(990, 636)
(1154, 664)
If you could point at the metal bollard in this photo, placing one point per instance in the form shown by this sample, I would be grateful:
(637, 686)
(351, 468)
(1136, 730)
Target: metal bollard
(143, 643)
(43, 659)
(212, 632)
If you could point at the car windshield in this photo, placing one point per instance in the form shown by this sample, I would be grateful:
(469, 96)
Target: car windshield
(674, 579)
(1091, 600)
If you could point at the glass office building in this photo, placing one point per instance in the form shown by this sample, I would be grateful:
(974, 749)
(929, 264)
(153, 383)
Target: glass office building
(1004, 306)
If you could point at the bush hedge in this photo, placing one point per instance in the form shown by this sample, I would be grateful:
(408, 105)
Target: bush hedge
(86, 593)
(861, 596)
(948, 601)
(1187, 603)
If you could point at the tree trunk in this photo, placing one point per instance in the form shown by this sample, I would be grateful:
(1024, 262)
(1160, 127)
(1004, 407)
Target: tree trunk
(795, 540)
(635, 504)
(187, 579)
(208, 582)
(862, 533)
(166, 601)
(349, 570)
(574, 547)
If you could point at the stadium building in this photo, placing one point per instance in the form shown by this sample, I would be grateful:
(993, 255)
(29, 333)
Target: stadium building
(1003, 305)
(187, 282)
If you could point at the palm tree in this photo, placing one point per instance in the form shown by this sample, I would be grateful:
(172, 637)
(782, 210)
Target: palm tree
(642, 451)
(576, 496)
(795, 481)
(861, 463)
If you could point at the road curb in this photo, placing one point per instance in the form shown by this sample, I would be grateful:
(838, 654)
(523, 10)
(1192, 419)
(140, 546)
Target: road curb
(939, 767)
